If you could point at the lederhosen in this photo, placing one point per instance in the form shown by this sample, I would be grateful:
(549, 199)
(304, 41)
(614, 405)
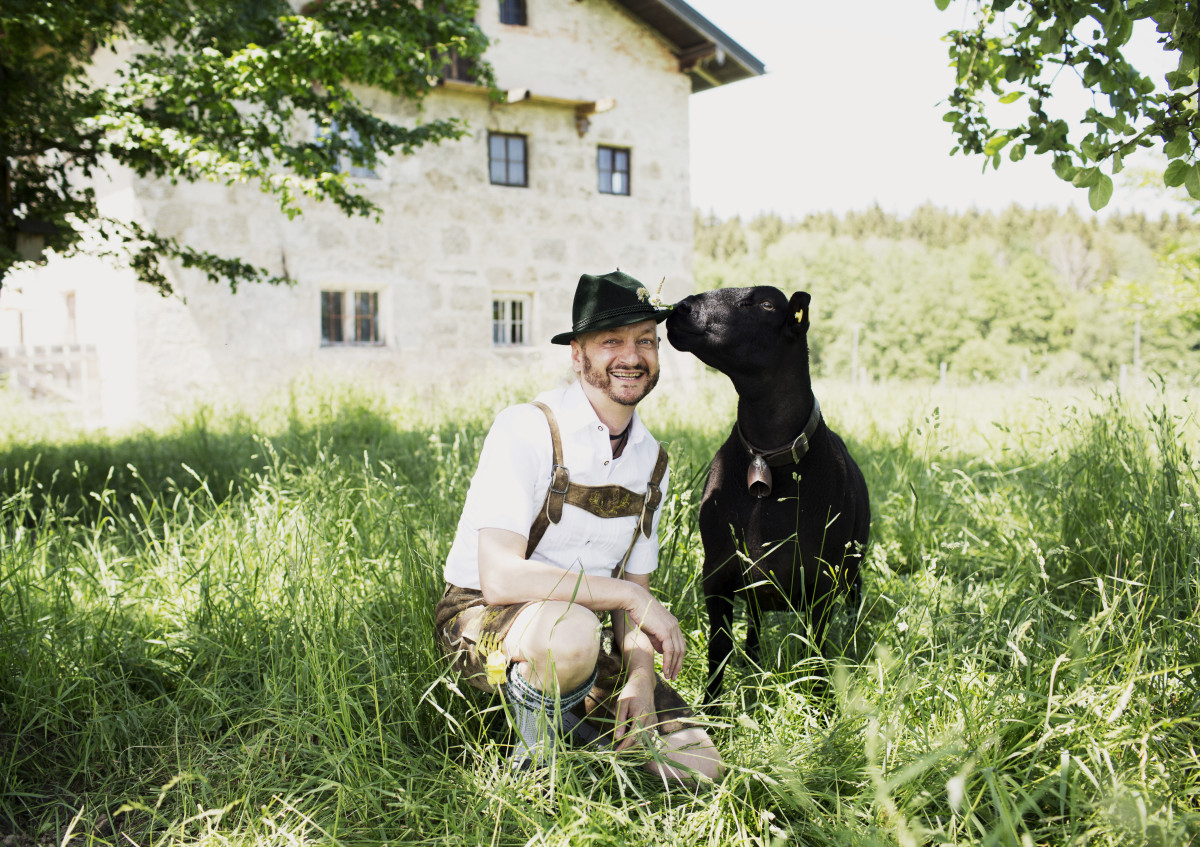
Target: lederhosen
(605, 501)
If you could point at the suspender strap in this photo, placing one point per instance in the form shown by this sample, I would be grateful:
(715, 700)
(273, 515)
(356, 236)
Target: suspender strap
(560, 483)
(649, 506)
(653, 498)
(606, 501)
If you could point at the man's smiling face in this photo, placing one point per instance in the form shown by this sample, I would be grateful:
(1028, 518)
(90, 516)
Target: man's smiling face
(620, 363)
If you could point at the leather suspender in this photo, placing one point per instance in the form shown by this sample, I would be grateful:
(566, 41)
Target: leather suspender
(605, 501)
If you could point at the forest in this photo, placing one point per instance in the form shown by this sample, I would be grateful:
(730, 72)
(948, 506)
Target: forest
(1023, 295)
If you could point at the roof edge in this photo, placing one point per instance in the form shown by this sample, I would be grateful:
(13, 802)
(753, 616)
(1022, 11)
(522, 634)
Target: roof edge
(695, 40)
(717, 35)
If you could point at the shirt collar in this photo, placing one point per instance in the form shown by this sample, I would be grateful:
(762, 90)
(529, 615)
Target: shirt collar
(577, 413)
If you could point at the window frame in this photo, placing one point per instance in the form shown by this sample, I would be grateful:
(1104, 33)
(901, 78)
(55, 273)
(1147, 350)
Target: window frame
(345, 164)
(333, 321)
(612, 171)
(352, 327)
(516, 11)
(457, 69)
(507, 162)
(505, 322)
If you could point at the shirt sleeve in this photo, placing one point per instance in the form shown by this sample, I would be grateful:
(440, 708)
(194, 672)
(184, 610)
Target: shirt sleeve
(644, 558)
(514, 467)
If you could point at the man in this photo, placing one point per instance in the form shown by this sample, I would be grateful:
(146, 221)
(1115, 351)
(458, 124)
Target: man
(560, 526)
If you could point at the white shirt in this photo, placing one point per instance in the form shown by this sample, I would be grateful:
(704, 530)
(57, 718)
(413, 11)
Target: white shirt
(514, 472)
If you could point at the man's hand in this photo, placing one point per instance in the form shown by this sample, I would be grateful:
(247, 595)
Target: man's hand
(635, 707)
(661, 627)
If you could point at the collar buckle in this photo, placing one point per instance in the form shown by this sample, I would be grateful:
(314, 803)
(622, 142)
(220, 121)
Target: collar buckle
(802, 443)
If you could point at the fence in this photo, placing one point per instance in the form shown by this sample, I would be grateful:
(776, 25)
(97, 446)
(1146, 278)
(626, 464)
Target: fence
(63, 375)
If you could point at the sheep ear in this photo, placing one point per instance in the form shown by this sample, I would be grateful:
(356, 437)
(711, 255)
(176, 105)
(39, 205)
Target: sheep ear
(798, 307)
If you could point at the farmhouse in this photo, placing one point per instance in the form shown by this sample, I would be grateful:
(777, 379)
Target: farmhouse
(583, 166)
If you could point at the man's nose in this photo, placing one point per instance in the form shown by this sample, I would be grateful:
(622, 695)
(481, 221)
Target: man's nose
(629, 352)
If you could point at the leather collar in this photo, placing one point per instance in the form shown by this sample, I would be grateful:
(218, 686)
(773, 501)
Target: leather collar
(790, 454)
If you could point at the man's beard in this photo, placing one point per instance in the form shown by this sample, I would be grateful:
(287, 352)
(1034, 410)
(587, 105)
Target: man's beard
(603, 380)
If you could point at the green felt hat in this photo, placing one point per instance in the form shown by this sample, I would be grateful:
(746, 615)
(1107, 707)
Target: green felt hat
(604, 302)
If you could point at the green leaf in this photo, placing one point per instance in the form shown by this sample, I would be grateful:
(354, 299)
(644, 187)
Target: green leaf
(1087, 178)
(995, 145)
(1114, 123)
(941, 4)
(1064, 168)
(1100, 192)
(1017, 153)
(963, 66)
(1120, 28)
(1192, 181)
(1178, 80)
(1176, 173)
(1012, 97)
(1177, 146)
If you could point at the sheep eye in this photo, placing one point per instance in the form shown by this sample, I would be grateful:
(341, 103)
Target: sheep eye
(768, 305)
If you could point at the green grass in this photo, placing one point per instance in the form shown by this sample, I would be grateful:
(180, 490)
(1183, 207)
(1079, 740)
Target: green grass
(220, 632)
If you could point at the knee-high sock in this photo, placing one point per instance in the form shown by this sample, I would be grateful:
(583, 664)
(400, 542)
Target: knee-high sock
(536, 715)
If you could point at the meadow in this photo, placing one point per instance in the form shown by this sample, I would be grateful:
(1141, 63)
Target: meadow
(219, 632)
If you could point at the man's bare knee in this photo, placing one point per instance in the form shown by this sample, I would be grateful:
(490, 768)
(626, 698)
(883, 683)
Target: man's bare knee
(689, 756)
(559, 641)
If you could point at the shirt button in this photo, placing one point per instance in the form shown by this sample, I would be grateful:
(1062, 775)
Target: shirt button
(606, 463)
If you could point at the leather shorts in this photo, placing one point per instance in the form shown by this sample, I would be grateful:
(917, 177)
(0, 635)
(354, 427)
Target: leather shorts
(462, 616)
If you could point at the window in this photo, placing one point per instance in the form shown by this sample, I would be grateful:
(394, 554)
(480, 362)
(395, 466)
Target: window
(345, 164)
(613, 165)
(510, 320)
(333, 312)
(366, 317)
(358, 324)
(506, 159)
(512, 12)
(457, 68)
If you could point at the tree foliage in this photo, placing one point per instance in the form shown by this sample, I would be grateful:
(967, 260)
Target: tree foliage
(1025, 293)
(1018, 50)
(212, 90)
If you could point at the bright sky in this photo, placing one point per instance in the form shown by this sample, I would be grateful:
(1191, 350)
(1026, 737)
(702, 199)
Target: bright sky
(850, 114)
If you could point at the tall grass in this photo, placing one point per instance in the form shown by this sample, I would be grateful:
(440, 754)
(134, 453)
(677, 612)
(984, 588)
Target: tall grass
(220, 632)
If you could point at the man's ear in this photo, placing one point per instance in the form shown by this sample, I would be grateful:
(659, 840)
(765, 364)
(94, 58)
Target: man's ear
(576, 356)
(798, 311)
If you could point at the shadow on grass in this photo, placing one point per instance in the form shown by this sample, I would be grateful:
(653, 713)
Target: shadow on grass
(90, 477)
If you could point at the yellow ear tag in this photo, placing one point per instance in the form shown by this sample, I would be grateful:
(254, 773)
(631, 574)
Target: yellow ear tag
(497, 667)
(800, 317)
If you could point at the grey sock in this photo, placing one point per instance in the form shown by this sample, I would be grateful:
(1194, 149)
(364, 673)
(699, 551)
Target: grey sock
(535, 716)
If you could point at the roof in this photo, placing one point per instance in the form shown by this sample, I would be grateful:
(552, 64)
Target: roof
(705, 53)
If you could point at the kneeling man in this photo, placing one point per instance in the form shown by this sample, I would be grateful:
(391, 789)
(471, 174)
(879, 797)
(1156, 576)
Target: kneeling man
(559, 532)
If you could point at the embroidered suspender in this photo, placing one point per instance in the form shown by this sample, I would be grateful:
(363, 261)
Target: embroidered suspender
(605, 501)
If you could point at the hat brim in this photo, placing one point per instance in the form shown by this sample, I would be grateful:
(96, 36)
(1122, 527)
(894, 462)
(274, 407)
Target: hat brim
(658, 316)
